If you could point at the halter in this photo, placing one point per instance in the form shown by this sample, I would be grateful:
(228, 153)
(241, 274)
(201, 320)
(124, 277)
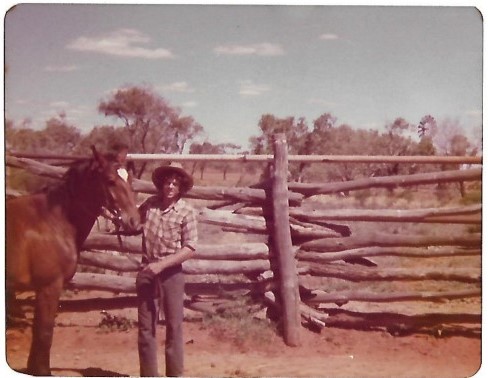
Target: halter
(110, 210)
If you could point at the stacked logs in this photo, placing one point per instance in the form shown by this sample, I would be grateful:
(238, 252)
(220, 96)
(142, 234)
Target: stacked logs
(321, 248)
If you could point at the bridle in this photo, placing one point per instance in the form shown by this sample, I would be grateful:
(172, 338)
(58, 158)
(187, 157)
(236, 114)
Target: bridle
(110, 210)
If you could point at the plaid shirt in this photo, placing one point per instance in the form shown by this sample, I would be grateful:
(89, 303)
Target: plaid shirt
(168, 230)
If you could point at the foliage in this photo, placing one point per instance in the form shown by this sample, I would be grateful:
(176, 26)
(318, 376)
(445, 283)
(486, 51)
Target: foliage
(152, 125)
(58, 137)
(398, 138)
(295, 132)
(239, 326)
(99, 137)
(111, 323)
(207, 148)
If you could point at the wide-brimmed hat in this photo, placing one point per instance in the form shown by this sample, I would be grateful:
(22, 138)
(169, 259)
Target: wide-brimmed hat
(163, 171)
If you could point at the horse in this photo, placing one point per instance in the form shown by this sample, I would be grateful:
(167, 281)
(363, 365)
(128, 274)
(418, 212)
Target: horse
(44, 235)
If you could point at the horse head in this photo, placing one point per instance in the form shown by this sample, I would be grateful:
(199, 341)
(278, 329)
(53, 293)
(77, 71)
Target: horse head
(117, 197)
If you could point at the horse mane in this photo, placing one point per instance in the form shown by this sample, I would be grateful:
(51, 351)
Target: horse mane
(65, 190)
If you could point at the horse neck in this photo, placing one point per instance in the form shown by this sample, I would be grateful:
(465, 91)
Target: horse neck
(83, 223)
(80, 210)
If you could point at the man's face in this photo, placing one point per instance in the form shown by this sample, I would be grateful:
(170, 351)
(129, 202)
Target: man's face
(171, 187)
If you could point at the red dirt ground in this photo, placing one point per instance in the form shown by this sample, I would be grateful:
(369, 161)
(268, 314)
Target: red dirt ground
(80, 348)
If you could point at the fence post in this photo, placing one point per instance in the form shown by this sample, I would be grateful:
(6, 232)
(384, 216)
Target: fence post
(283, 245)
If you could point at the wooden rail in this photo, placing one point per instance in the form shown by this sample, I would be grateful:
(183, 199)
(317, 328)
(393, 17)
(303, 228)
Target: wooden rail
(243, 158)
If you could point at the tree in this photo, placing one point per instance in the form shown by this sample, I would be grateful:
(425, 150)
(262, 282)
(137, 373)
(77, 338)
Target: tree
(58, 137)
(212, 149)
(102, 137)
(296, 133)
(153, 126)
(270, 125)
(449, 138)
(395, 141)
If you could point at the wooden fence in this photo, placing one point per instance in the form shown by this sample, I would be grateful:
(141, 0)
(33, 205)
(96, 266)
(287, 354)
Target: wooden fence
(302, 245)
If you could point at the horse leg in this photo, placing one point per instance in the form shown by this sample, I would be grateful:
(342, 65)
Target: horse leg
(14, 313)
(47, 299)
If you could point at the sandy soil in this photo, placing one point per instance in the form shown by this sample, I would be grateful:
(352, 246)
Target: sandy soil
(81, 348)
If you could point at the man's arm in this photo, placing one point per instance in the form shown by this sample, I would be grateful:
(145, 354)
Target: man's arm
(176, 258)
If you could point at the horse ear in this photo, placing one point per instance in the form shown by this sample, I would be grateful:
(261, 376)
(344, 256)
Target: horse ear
(98, 156)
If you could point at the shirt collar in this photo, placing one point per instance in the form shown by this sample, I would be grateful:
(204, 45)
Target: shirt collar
(177, 206)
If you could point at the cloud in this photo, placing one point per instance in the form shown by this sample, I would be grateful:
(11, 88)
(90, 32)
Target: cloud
(59, 104)
(476, 113)
(248, 88)
(123, 43)
(190, 104)
(321, 102)
(179, 86)
(328, 37)
(260, 49)
(69, 68)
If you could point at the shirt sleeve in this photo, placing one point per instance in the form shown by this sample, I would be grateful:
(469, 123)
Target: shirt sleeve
(189, 237)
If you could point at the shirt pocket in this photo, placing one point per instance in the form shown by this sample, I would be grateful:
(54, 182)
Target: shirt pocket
(170, 235)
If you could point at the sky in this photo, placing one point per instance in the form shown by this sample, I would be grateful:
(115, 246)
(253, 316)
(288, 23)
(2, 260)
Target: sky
(227, 65)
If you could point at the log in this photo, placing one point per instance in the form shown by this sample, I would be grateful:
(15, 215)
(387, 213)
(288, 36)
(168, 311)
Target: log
(133, 244)
(343, 297)
(307, 314)
(225, 267)
(466, 324)
(105, 282)
(307, 232)
(257, 224)
(221, 193)
(380, 239)
(244, 158)
(304, 229)
(242, 251)
(304, 255)
(105, 304)
(219, 306)
(387, 182)
(103, 241)
(130, 264)
(110, 261)
(247, 195)
(225, 218)
(432, 215)
(290, 297)
(122, 284)
(35, 167)
(358, 273)
(222, 288)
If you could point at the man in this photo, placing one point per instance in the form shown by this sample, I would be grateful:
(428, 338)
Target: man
(169, 239)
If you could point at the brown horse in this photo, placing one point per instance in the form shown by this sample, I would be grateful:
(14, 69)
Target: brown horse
(45, 233)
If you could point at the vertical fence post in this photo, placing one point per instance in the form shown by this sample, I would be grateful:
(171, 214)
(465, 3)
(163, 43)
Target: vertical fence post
(283, 246)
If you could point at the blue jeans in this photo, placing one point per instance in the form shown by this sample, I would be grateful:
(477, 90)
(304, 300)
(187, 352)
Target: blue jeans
(168, 286)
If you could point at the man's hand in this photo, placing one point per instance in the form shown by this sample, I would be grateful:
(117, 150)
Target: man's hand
(173, 259)
(155, 267)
